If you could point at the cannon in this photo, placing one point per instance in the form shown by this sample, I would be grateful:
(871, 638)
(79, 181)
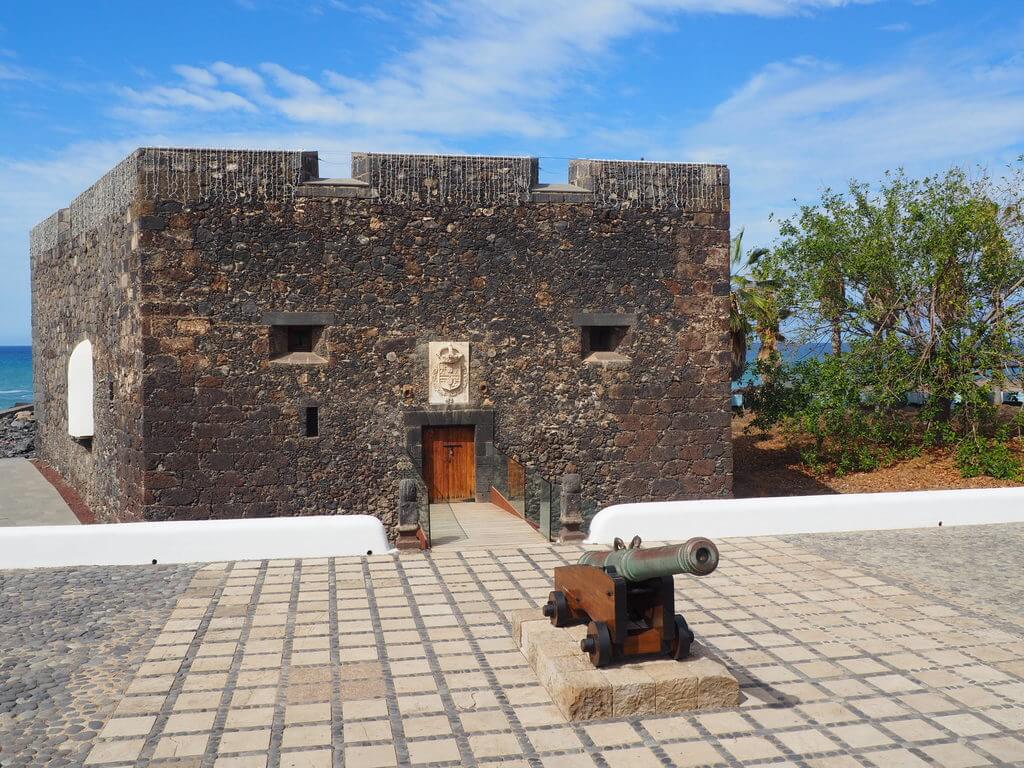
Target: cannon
(626, 597)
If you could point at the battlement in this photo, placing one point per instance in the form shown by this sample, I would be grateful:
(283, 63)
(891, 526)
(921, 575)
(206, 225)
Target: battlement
(188, 176)
(239, 176)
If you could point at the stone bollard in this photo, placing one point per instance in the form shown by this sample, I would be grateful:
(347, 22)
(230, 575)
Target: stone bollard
(571, 507)
(409, 536)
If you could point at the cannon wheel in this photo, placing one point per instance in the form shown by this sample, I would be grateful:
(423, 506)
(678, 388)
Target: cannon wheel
(557, 609)
(598, 643)
(683, 640)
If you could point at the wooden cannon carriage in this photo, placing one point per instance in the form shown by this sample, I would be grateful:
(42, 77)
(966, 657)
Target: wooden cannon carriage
(626, 598)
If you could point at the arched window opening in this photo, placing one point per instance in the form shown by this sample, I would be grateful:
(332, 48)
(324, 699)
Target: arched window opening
(80, 391)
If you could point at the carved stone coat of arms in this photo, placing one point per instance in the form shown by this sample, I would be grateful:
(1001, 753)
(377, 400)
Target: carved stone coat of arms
(449, 372)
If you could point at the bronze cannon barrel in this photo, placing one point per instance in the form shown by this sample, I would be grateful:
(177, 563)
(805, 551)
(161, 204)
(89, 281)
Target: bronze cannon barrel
(698, 556)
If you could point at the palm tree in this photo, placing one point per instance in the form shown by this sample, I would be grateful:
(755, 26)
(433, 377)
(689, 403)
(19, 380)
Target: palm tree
(753, 308)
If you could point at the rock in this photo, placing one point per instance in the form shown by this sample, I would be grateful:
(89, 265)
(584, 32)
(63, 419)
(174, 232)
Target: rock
(17, 435)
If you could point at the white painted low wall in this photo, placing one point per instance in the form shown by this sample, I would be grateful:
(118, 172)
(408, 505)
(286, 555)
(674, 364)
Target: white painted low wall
(191, 541)
(679, 520)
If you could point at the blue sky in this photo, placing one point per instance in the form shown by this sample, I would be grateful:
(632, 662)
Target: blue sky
(794, 95)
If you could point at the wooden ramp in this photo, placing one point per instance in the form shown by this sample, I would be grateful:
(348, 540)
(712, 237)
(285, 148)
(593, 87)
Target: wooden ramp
(472, 525)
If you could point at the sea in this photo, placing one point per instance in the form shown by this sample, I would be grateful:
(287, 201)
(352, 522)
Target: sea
(15, 376)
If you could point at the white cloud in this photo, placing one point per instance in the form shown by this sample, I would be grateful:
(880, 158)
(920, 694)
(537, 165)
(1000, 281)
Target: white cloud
(196, 76)
(796, 127)
(200, 98)
(478, 68)
(244, 78)
(10, 72)
(484, 68)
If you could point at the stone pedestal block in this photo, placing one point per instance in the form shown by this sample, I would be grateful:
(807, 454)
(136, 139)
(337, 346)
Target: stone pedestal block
(571, 510)
(653, 686)
(409, 535)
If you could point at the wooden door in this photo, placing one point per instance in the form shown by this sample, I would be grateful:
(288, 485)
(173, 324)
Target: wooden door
(449, 463)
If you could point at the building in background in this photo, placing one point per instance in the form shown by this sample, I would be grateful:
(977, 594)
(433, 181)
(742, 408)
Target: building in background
(262, 341)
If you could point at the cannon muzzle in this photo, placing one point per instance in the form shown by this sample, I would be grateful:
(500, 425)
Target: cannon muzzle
(698, 556)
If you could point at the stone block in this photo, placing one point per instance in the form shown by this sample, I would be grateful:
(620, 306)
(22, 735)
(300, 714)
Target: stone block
(583, 695)
(522, 616)
(672, 692)
(633, 690)
(651, 686)
(545, 637)
(717, 687)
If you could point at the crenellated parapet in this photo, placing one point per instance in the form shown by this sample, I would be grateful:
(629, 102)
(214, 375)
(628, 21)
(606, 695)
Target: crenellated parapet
(191, 176)
(475, 179)
(241, 176)
(187, 176)
(626, 183)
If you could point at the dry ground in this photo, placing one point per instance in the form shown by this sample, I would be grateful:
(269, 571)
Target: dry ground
(767, 466)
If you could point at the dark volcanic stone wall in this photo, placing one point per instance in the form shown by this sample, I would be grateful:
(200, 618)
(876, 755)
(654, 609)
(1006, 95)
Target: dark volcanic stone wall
(85, 285)
(171, 264)
(223, 426)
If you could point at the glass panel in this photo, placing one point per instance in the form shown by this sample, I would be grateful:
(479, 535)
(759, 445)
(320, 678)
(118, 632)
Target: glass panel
(538, 501)
(551, 518)
(524, 492)
(516, 485)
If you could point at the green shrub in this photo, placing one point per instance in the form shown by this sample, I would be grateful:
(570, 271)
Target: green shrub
(918, 285)
(988, 456)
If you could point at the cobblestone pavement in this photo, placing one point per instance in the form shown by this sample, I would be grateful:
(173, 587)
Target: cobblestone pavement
(978, 567)
(71, 639)
(383, 661)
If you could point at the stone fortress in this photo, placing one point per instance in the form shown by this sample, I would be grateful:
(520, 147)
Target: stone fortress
(223, 333)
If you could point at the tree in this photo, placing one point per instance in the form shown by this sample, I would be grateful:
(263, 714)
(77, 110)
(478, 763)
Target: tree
(921, 283)
(753, 308)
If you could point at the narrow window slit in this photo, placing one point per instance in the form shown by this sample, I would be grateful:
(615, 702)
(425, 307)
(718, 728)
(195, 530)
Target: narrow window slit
(312, 421)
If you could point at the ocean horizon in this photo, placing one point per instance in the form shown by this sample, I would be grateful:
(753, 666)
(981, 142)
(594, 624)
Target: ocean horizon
(15, 376)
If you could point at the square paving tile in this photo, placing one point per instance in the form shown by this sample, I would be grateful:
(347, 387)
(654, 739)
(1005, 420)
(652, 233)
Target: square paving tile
(861, 735)
(636, 757)
(494, 745)
(115, 752)
(244, 741)
(694, 754)
(612, 734)
(368, 730)
(807, 741)
(380, 756)
(724, 722)
(313, 758)
(750, 748)
(305, 736)
(184, 745)
(241, 761)
(127, 726)
(1009, 749)
(553, 739)
(955, 756)
(186, 722)
(433, 751)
